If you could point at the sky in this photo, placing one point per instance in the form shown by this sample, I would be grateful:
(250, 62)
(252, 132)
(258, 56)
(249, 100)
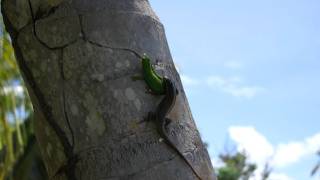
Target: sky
(251, 73)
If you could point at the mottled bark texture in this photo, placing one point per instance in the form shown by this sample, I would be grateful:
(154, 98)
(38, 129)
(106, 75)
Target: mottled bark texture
(79, 59)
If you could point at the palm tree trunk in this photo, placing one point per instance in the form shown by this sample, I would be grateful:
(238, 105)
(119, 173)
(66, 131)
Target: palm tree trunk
(79, 59)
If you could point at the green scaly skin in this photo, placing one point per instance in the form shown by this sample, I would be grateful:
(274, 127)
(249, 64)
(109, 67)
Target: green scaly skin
(153, 80)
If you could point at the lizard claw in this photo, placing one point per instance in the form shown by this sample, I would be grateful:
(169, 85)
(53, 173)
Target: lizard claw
(168, 122)
(177, 91)
(149, 91)
(150, 117)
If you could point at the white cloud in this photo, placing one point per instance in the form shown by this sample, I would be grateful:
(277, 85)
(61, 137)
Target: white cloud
(288, 153)
(248, 92)
(261, 151)
(313, 143)
(272, 176)
(233, 86)
(292, 152)
(252, 142)
(217, 163)
(188, 81)
(233, 65)
(279, 176)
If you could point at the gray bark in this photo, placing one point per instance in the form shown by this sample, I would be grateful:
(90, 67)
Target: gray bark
(79, 59)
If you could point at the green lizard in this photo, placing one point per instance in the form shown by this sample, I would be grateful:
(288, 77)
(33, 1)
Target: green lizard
(153, 80)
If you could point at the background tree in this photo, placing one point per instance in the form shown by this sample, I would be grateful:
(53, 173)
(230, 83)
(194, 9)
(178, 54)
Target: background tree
(235, 167)
(79, 59)
(18, 151)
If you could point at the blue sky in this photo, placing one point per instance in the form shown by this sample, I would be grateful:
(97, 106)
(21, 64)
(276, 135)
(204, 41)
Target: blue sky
(251, 72)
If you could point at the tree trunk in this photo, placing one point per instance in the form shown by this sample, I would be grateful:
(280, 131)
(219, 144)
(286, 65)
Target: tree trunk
(79, 59)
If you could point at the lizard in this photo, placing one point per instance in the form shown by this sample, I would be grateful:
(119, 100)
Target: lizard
(162, 86)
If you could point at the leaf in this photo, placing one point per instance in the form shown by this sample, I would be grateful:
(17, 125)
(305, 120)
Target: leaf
(315, 169)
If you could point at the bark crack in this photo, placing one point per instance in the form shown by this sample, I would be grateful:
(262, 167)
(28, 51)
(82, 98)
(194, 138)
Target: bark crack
(64, 100)
(83, 35)
(36, 17)
(153, 18)
(46, 45)
(138, 55)
(103, 46)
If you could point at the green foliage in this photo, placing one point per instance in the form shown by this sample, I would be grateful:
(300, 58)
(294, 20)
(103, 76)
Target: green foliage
(236, 167)
(228, 173)
(15, 107)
